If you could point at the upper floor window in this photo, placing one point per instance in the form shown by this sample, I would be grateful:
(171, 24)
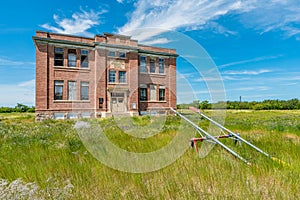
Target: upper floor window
(112, 76)
(112, 54)
(72, 57)
(58, 56)
(152, 66)
(72, 90)
(84, 58)
(122, 76)
(161, 65)
(58, 90)
(122, 55)
(84, 91)
(143, 66)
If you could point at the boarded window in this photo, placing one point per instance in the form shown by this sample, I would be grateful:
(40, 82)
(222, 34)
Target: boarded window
(72, 90)
(152, 92)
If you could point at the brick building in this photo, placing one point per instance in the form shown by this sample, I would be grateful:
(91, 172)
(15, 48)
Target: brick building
(102, 76)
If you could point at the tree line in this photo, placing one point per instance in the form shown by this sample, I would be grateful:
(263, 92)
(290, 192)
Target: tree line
(18, 108)
(292, 104)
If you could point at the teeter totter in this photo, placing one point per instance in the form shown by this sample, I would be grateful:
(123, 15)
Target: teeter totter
(205, 136)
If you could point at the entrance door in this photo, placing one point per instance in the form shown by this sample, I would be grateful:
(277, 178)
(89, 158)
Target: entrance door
(117, 102)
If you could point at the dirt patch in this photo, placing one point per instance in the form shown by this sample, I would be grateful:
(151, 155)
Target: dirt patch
(293, 138)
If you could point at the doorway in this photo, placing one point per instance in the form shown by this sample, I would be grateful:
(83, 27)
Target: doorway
(117, 102)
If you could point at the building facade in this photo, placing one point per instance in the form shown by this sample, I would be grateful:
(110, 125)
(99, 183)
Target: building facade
(78, 77)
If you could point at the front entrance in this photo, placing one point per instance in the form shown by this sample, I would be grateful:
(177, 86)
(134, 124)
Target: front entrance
(117, 102)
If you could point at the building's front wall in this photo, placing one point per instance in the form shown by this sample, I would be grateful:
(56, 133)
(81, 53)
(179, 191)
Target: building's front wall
(113, 80)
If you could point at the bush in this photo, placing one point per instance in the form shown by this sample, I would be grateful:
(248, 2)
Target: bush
(18, 108)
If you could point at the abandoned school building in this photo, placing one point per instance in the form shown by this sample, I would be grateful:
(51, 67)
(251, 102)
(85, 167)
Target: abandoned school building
(110, 74)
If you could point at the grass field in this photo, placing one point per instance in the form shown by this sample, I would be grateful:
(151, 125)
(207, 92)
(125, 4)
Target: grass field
(47, 160)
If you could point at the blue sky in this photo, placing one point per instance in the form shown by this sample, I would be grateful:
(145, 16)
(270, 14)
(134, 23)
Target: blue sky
(253, 45)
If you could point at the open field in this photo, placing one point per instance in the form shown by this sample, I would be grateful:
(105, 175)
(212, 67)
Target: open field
(48, 160)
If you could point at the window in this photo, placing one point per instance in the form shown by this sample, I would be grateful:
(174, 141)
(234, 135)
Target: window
(152, 92)
(122, 55)
(152, 66)
(143, 92)
(122, 76)
(143, 66)
(72, 57)
(162, 93)
(72, 92)
(58, 56)
(112, 76)
(84, 91)
(58, 90)
(112, 54)
(84, 58)
(161, 65)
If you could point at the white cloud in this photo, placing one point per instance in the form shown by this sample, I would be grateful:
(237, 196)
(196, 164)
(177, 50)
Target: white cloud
(273, 15)
(119, 1)
(8, 62)
(249, 61)
(157, 41)
(255, 88)
(78, 24)
(247, 72)
(164, 15)
(23, 92)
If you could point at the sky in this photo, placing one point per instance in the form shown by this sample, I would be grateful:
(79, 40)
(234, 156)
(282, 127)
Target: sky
(248, 49)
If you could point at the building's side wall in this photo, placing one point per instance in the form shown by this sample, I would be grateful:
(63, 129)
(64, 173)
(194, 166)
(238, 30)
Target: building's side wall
(41, 77)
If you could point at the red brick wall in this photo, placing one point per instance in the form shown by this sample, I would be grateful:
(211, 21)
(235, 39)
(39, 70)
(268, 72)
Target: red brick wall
(97, 75)
(41, 77)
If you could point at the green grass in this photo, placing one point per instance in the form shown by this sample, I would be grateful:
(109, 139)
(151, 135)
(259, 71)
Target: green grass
(51, 155)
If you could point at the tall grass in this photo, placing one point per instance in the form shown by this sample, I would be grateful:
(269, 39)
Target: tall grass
(50, 159)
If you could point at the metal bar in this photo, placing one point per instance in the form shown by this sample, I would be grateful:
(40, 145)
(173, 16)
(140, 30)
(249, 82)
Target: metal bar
(204, 138)
(229, 131)
(211, 137)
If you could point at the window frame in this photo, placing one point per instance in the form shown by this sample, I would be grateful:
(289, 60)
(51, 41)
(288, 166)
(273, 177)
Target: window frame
(122, 53)
(84, 58)
(143, 64)
(143, 94)
(162, 97)
(110, 77)
(110, 52)
(152, 64)
(58, 84)
(161, 66)
(122, 79)
(84, 84)
(71, 62)
(58, 51)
